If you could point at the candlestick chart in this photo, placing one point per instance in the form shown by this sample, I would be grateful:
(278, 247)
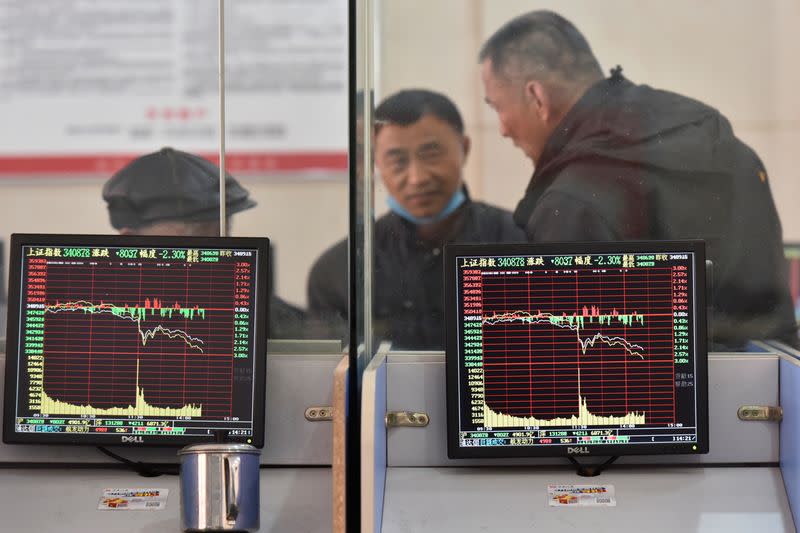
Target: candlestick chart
(571, 347)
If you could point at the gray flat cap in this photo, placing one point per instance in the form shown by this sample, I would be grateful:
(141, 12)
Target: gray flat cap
(170, 185)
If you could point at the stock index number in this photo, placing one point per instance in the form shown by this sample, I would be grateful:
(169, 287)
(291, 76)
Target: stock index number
(76, 252)
(511, 261)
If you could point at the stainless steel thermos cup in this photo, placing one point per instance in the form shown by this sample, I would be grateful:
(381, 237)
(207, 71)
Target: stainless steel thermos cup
(219, 487)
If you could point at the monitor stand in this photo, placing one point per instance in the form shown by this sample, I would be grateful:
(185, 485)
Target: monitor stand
(591, 470)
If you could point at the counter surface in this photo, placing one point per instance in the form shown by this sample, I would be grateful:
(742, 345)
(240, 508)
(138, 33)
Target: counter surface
(669, 499)
(61, 500)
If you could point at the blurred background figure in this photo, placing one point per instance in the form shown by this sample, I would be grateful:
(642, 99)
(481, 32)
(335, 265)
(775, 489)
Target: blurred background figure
(420, 151)
(170, 192)
(619, 161)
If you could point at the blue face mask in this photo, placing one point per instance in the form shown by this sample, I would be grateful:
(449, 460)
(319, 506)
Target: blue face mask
(455, 202)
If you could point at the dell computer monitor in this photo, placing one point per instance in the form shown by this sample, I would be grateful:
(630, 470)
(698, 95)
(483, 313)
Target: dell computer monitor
(136, 340)
(576, 349)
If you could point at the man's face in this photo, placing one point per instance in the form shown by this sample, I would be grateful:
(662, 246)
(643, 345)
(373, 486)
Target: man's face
(517, 110)
(421, 163)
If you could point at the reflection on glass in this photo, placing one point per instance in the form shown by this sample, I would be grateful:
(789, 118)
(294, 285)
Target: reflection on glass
(616, 161)
(170, 192)
(286, 139)
(420, 150)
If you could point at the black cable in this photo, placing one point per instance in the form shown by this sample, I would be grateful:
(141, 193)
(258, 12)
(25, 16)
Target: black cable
(143, 469)
(591, 470)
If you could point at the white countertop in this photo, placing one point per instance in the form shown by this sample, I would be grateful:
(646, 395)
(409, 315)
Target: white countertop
(293, 500)
(674, 500)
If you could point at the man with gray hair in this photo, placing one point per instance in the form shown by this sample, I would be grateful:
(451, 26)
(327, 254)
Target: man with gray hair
(619, 161)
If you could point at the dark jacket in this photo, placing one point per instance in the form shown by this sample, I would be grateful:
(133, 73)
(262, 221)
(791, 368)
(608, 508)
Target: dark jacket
(285, 320)
(408, 283)
(632, 162)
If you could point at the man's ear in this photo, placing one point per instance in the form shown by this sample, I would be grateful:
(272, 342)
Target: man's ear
(466, 144)
(126, 231)
(538, 97)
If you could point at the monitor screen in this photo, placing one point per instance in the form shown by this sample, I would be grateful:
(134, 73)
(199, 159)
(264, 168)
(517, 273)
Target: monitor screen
(576, 349)
(792, 253)
(135, 340)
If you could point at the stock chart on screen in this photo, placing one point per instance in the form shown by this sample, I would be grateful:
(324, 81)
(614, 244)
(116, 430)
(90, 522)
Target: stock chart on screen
(135, 340)
(576, 349)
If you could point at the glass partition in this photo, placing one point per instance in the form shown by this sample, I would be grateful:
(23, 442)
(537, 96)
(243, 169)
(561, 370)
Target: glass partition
(286, 141)
(694, 144)
(142, 79)
(112, 121)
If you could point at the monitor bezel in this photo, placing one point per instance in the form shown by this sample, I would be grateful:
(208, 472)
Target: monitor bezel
(261, 321)
(452, 251)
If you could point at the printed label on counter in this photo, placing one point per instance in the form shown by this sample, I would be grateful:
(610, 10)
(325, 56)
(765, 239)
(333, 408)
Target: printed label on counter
(581, 496)
(133, 499)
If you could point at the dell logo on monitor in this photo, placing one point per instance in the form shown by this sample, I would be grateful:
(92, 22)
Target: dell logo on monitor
(570, 449)
(132, 439)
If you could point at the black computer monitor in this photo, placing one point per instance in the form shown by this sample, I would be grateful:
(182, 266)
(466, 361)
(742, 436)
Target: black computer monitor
(576, 349)
(792, 253)
(136, 340)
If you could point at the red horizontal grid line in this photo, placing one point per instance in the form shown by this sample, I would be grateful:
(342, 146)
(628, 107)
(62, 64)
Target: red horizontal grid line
(148, 265)
(55, 282)
(549, 363)
(108, 272)
(665, 393)
(604, 384)
(107, 280)
(569, 355)
(125, 374)
(137, 353)
(65, 392)
(67, 333)
(175, 310)
(495, 342)
(119, 371)
(127, 377)
(547, 271)
(530, 311)
(489, 288)
(566, 299)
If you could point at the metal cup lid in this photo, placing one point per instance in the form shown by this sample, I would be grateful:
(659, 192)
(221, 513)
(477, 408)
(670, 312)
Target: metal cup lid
(217, 447)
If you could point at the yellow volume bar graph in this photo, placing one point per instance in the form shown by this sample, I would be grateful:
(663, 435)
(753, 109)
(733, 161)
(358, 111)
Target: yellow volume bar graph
(142, 408)
(584, 418)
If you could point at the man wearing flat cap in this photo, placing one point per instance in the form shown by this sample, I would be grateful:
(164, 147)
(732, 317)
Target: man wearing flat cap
(170, 192)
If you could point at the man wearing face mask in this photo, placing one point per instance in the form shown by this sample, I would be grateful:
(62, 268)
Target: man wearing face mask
(420, 152)
(619, 161)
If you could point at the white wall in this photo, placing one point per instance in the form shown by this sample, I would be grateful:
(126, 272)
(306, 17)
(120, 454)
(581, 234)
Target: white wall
(737, 55)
